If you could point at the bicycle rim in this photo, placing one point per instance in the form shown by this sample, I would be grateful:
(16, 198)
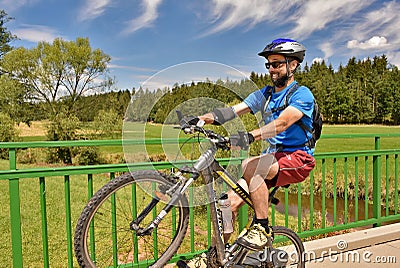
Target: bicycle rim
(103, 237)
(287, 247)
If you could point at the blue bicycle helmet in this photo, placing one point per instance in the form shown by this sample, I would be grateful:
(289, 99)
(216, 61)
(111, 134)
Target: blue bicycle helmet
(285, 47)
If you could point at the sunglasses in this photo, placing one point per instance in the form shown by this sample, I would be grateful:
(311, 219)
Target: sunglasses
(274, 64)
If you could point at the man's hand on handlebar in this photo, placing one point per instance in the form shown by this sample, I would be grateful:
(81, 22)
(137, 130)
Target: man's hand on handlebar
(189, 121)
(242, 140)
(192, 124)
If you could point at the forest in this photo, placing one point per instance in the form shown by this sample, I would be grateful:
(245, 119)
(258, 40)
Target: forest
(360, 92)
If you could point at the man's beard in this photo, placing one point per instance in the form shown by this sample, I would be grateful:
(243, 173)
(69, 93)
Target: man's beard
(280, 81)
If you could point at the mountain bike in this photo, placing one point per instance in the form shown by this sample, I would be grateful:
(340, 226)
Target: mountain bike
(140, 219)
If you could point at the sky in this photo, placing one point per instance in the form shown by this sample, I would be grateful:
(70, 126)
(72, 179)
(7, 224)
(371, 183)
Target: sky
(147, 37)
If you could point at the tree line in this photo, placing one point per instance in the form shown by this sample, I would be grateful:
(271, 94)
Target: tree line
(362, 91)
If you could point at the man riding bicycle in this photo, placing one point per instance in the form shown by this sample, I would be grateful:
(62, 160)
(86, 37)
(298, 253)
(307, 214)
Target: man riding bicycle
(289, 159)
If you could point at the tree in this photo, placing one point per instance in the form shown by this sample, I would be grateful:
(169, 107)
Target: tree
(107, 123)
(59, 74)
(12, 94)
(61, 70)
(12, 100)
(5, 36)
(8, 133)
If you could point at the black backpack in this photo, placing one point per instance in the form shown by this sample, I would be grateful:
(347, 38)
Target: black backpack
(316, 126)
(316, 115)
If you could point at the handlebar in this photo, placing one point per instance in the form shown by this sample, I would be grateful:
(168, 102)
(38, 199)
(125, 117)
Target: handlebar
(192, 124)
(218, 140)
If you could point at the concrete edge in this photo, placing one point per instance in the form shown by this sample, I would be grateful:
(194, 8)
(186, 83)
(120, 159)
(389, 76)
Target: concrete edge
(351, 241)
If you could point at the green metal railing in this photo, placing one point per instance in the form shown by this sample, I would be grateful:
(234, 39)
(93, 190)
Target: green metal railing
(373, 174)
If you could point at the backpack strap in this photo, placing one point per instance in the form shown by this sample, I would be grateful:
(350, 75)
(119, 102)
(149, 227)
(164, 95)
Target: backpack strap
(298, 122)
(268, 94)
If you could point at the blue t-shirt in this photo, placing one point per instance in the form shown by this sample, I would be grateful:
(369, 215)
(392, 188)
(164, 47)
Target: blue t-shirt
(302, 99)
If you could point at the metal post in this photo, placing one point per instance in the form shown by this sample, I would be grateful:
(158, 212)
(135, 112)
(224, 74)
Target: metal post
(15, 212)
(377, 161)
(45, 237)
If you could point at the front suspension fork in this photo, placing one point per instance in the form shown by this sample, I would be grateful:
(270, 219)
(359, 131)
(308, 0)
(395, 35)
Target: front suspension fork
(134, 225)
(178, 193)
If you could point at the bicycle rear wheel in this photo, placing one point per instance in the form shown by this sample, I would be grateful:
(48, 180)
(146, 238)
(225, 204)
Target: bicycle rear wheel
(103, 237)
(287, 251)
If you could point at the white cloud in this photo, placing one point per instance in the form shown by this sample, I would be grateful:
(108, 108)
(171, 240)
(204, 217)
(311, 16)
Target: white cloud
(36, 33)
(316, 15)
(11, 5)
(228, 14)
(394, 58)
(93, 9)
(150, 14)
(319, 60)
(383, 22)
(375, 31)
(308, 16)
(327, 49)
(197, 71)
(130, 68)
(375, 42)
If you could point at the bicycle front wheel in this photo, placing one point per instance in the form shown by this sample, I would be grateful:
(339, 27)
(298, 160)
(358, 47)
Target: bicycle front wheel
(104, 237)
(287, 251)
(287, 247)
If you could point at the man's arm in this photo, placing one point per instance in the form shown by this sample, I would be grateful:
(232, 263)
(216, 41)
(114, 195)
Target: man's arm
(288, 117)
(238, 109)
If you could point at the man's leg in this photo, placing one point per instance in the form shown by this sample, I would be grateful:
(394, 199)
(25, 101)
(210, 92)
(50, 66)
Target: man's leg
(260, 165)
(256, 170)
(259, 197)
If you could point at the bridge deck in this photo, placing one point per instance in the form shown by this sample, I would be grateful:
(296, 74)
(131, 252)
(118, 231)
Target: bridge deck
(375, 247)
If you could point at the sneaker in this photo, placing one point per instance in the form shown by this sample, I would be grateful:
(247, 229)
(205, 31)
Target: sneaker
(255, 239)
(199, 261)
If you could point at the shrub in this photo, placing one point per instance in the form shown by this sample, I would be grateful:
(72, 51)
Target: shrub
(30, 156)
(62, 128)
(89, 156)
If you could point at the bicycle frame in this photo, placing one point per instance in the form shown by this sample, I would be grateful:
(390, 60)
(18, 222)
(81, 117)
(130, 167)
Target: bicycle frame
(219, 242)
(205, 169)
(215, 216)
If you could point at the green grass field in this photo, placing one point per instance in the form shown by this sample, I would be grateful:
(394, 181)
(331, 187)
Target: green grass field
(352, 144)
(30, 202)
(155, 131)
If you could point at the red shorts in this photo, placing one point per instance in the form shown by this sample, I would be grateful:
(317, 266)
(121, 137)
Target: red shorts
(294, 167)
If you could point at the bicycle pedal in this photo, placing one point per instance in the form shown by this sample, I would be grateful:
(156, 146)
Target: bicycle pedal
(275, 201)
